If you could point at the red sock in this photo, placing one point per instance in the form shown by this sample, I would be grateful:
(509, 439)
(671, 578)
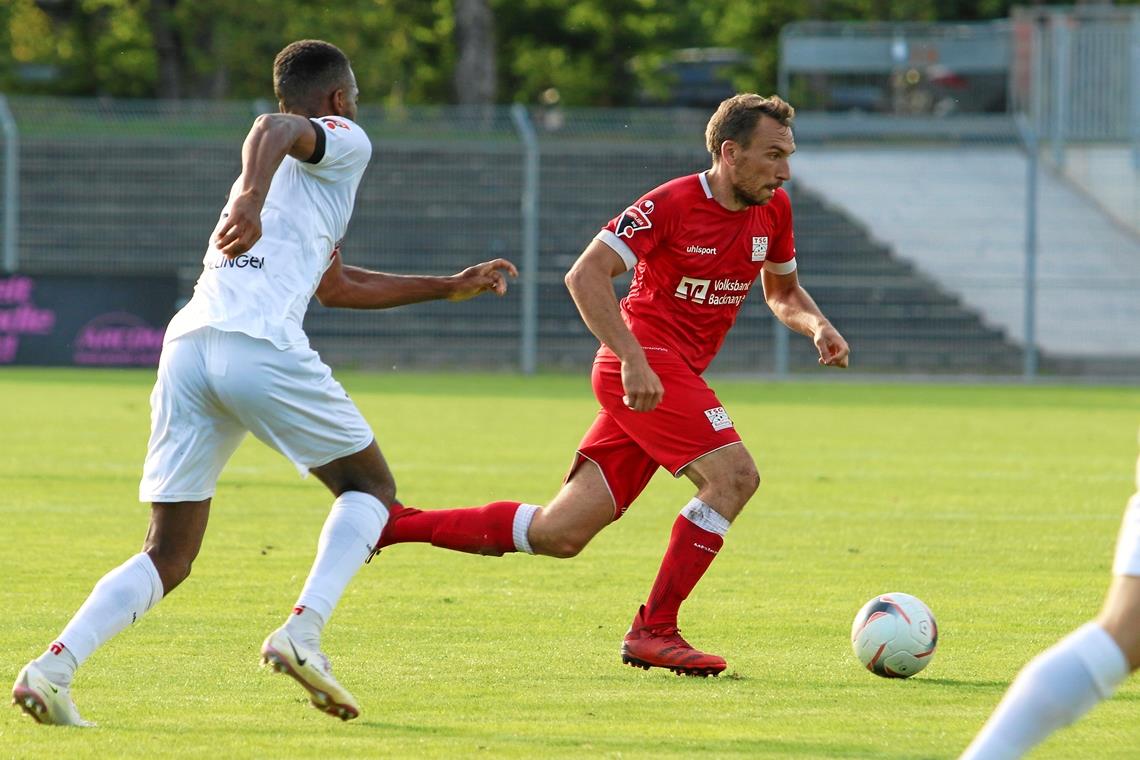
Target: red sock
(477, 530)
(691, 551)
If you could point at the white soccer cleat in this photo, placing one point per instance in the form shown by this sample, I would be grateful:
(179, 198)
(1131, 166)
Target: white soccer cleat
(44, 701)
(312, 669)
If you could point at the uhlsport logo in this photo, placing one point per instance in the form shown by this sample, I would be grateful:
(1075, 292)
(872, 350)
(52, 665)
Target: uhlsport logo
(634, 219)
(701, 250)
(759, 248)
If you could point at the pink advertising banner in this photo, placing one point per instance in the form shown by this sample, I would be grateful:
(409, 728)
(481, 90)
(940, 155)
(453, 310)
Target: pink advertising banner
(53, 320)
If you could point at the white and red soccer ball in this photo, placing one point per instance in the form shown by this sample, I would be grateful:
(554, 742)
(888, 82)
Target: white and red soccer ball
(894, 635)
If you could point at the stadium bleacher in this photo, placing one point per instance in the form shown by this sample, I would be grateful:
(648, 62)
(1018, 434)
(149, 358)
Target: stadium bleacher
(146, 206)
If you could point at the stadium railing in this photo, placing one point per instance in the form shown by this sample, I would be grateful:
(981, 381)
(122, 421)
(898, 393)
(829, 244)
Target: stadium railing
(914, 233)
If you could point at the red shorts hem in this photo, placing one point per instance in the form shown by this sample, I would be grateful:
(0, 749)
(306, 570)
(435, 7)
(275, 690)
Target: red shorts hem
(629, 446)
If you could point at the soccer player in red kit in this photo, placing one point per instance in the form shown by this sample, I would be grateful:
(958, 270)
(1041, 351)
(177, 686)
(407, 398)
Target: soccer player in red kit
(696, 245)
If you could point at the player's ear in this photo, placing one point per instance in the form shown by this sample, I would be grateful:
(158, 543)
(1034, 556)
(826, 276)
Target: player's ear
(340, 101)
(728, 150)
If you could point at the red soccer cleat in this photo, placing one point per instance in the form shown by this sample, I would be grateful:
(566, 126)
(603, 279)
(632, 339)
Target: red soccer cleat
(664, 648)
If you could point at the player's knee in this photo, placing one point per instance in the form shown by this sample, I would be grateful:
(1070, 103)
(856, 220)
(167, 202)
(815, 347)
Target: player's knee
(1126, 633)
(749, 480)
(732, 491)
(743, 482)
(1132, 654)
(386, 493)
(560, 546)
(172, 567)
(383, 489)
(364, 472)
(564, 549)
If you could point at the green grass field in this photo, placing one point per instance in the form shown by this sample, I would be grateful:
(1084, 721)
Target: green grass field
(998, 506)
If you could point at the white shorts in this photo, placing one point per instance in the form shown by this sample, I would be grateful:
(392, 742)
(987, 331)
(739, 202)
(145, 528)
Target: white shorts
(215, 386)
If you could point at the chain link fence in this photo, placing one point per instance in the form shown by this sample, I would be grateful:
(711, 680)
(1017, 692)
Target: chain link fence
(916, 235)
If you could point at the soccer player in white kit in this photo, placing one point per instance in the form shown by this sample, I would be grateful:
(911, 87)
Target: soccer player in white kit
(236, 359)
(1066, 681)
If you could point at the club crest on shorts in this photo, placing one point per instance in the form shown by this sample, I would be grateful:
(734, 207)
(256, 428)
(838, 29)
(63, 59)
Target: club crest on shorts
(634, 218)
(759, 248)
(718, 418)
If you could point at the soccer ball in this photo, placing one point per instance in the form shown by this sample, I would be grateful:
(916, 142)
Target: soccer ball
(894, 635)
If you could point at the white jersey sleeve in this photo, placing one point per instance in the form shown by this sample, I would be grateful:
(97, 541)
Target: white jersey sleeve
(342, 149)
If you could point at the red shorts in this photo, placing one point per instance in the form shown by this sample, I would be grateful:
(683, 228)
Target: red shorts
(629, 446)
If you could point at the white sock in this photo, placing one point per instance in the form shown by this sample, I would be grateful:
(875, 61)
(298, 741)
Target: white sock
(58, 664)
(1058, 686)
(704, 516)
(347, 539)
(524, 516)
(118, 599)
(306, 625)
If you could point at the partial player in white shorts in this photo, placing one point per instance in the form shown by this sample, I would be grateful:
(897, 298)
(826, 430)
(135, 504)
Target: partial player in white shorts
(213, 386)
(1074, 675)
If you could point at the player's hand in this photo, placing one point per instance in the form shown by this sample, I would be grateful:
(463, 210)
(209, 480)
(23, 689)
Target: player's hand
(239, 228)
(490, 275)
(643, 389)
(833, 349)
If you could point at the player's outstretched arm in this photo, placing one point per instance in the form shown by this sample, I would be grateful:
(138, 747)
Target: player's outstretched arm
(793, 306)
(349, 287)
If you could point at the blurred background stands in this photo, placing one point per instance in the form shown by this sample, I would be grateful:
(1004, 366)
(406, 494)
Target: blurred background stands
(914, 194)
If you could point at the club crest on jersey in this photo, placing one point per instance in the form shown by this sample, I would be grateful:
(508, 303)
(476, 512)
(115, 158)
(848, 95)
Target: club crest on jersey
(718, 418)
(759, 248)
(634, 218)
(332, 124)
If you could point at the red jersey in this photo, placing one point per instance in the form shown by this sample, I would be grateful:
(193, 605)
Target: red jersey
(694, 262)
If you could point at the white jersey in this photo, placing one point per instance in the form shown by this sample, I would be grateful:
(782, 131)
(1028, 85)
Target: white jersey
(264, 292)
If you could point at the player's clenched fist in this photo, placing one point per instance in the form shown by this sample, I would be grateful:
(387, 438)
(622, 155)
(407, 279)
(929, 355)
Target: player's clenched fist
(833, 349)
(239, 228)
(643, 388)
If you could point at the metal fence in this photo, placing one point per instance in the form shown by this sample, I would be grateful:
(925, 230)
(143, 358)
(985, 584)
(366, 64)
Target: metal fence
(901, 68)
(1076, 78)
(1075, 72)
(916, 235)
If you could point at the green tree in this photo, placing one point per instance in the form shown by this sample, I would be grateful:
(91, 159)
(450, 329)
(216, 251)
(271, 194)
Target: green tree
(7, 64)
(589, 52)
(403, 50)
(582, 49)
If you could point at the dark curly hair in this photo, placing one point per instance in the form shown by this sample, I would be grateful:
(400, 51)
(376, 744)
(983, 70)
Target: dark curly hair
(307, 70)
